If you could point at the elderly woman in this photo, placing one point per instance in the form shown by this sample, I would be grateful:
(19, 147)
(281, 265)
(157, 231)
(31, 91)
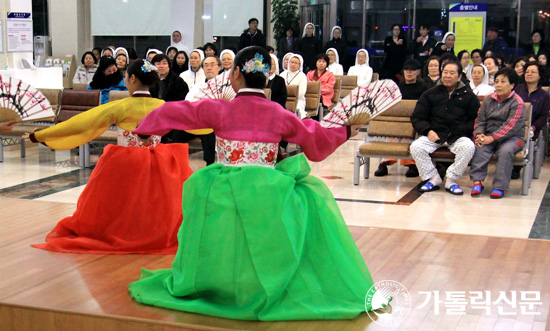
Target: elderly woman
(334, 65)
(480, 80)
(85, 72)
(446, 45)
(491, 63)
(432, 71)
(295, 76)
(531, 91)
(361, 69)
(227, 56)
(498, 130)
(321, 74)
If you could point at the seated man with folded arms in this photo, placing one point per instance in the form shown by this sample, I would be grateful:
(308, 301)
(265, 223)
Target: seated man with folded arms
(445, 116)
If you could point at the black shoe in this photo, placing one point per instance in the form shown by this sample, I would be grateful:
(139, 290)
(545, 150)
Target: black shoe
(382, 170)
(516, 172)
(412, 172)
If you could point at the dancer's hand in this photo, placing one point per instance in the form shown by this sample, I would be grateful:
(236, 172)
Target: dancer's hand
(355, 129)
(7, 126)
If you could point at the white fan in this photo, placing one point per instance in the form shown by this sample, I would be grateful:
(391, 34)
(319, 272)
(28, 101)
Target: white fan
(21, 102)
(363, 104)
(218, 87)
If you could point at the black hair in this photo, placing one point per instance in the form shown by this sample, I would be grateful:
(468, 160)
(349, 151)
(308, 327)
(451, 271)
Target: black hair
(447, 57)
(177, 68)
(477, 50)
(430, 59)
(132, 54)
(171, 48)
(218, 60)
(102, 81)
(253, 19)
(517, 60)
(107, 49)
(459, 56)
(540, 32)
(84, 55)
(252, 79)
(397, 25)
(322, 56)
(269, 49)
(160, 57)
(543, 73)
(424, 25)
(493, 58)
(97, 49)
(492, 28)
(150, 78)
(212, 46)
(456, 63)
(510, 74)
(292, 29)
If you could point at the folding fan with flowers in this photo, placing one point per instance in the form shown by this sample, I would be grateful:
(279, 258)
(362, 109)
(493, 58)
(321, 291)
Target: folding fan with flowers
(21, 102)
(218, 87)
(363, 104)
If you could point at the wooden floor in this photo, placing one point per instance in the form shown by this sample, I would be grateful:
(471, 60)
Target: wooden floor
(42, 290)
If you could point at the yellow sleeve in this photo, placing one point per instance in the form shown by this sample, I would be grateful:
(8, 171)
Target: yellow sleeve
(90, 124)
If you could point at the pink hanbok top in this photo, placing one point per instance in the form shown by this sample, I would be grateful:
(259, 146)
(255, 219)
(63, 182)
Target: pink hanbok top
(249, 117)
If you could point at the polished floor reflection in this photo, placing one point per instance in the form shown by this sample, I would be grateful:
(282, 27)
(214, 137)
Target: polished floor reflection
(383, 202)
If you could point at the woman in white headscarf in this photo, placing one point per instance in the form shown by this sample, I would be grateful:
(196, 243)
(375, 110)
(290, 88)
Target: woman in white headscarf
(295, 76)
(480, 80)
(309, 46)
(227, 56)
(446, 45)
(284, 63)
(195, 74)
(337, 42)
(151, 54)
(334, 62)
(276, 83)
(361, 69)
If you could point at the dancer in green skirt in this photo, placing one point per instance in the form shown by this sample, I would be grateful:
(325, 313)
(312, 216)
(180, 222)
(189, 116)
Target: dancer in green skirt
(260, 239)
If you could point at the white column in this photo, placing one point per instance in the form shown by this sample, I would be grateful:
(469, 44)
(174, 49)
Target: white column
(70, 27)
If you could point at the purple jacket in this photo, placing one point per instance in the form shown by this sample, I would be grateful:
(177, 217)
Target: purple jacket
(540, 105)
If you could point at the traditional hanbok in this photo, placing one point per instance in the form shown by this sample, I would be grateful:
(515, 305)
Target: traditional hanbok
(261, 240)
(132, 202)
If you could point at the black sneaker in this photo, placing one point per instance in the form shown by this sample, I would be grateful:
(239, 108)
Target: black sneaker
(412, 172)
(382, 170)
(516, 172)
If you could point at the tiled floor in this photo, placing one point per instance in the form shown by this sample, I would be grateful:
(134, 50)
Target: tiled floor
(54, 176)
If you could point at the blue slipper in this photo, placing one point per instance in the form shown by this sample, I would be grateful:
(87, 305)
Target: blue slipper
(497, 194)
(455, 190)
(476, 190)
(428, 187)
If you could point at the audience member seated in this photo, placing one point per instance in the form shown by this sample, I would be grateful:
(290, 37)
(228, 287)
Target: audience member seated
(122, 63)
(411, 87)
(227, 56)
(531, 91)
(477, 56)
(180, 63)
(276, 83)
(444, 116)
(85, 72)
(464, 58)
(151, 54)
(210, 49)
(432, 71)
(295, 76)
(517, 65)
(491, 63)
(321, 74)
(195, 74)
(334, 62)
(107, 78)
(480, 80)
(361, 69)
(171, 52)
(498, 129)
(286, 57)
(97, 52)
(108, 51)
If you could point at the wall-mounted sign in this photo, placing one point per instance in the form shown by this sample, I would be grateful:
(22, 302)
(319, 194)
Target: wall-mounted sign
(19, 15)
(19, 35)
